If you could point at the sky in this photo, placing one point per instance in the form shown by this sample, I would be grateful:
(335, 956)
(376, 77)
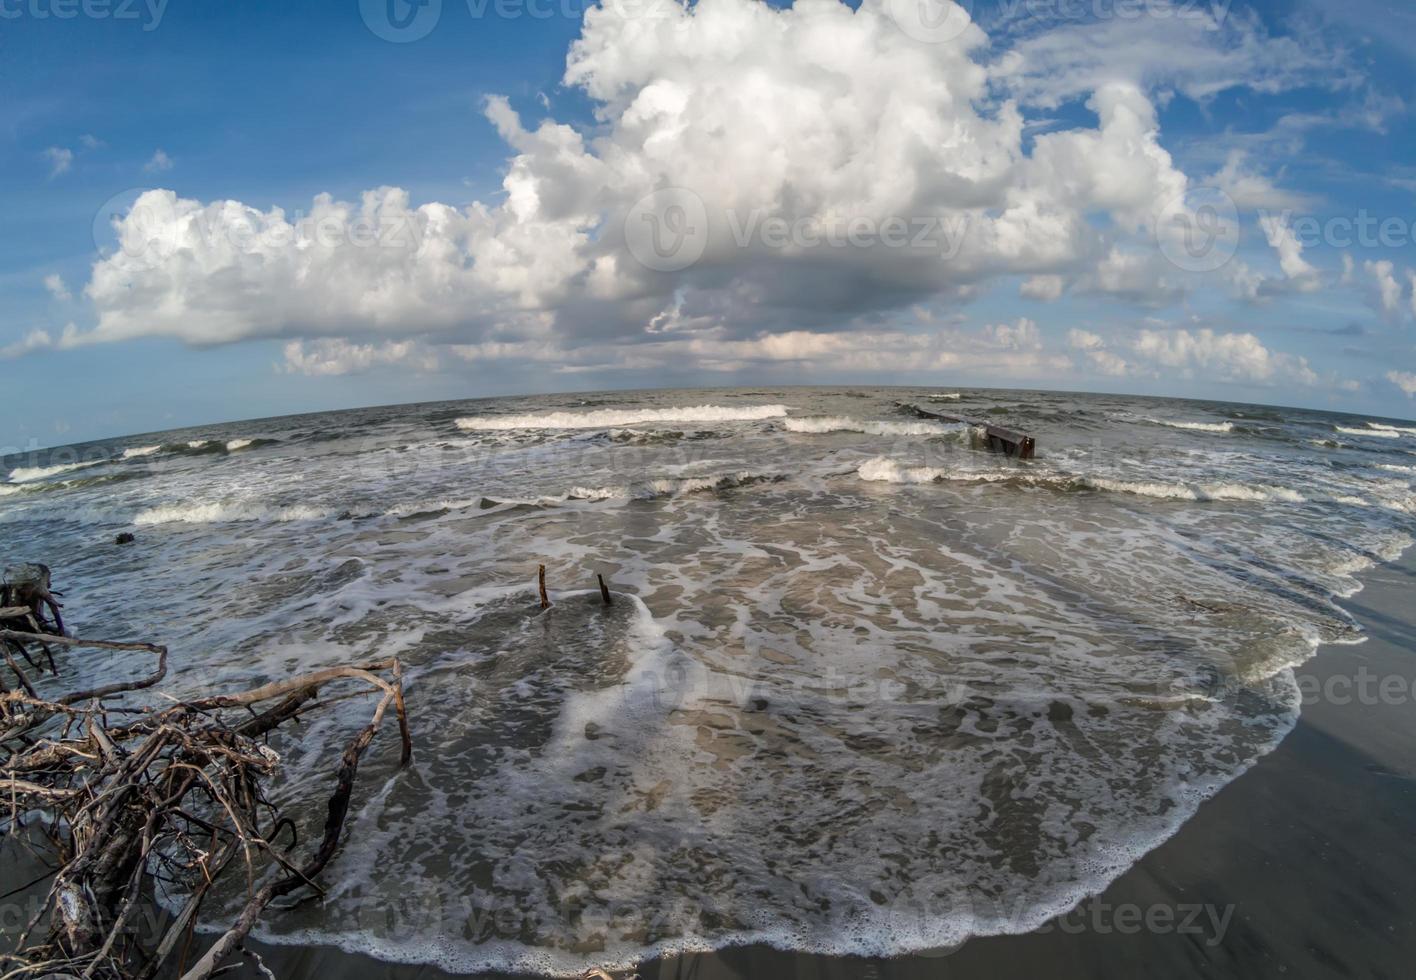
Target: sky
(220, 210)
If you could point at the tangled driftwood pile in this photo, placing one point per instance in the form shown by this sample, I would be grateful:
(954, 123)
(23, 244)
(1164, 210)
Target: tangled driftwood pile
(118, 793)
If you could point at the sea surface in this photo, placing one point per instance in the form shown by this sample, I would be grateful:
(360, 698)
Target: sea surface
(863, 688)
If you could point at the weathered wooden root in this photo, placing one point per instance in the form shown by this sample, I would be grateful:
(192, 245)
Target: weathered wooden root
(25, 597)
(172, 793)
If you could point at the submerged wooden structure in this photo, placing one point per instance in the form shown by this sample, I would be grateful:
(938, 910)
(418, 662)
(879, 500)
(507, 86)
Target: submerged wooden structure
(994, 438)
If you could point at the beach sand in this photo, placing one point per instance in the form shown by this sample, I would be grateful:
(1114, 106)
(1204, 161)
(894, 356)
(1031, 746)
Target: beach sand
(1302, 867)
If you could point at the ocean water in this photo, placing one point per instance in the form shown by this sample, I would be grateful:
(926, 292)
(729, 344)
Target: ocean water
(863, 689)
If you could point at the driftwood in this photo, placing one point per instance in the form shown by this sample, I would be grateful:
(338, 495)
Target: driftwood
(27, 605)
(118, 798)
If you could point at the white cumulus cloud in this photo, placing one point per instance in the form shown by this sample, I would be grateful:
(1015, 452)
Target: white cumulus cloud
(760, 184)
(160, 162)
(814, 117)
(61, 160)
(1229, 356)
(55, 284)
(1404, 380)
(333, 356)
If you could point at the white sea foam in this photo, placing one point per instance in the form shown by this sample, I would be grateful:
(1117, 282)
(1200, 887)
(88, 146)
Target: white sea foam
(884, 470)
(27, 474)
(824, 424)
(670, 486)
(1384, 427)
(220, 513)
(238, 444)
(1372, 433)
(138, 452)
(948, 396)
(608, 418)
(197, 443)
(1194, 426)
(1396, 468)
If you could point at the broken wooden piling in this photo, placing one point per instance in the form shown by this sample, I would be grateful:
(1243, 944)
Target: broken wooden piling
(994, 438)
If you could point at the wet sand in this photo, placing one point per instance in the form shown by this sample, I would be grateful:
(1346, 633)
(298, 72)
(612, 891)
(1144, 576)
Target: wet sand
(1303, 867)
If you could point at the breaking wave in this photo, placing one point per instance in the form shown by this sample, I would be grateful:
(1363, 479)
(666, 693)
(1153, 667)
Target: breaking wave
(672, 487)
(26, 474)
(607, 418)
(1193, 426)
(1372, 432)
(824, 424)
(228, 513)
(881, 469)
(232, 513)
(1383, 427)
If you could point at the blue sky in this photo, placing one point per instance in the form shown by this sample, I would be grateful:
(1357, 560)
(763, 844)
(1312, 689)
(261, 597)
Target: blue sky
(1058, 134)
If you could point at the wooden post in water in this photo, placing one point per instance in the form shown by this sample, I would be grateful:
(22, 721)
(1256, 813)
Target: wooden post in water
(604, 590)
(541, 580)
(995, 438)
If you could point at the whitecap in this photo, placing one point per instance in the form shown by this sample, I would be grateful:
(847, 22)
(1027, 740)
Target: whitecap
(1193, 426)
(884, 470)
(823, 424)
(220, 513)
(608, 418)
(26, 474)
(1375, 433)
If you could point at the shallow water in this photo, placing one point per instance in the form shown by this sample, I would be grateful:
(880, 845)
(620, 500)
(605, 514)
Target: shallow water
(863, 688)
